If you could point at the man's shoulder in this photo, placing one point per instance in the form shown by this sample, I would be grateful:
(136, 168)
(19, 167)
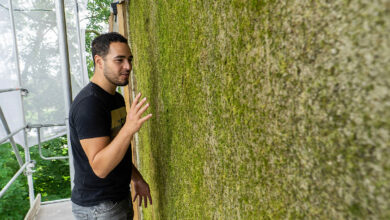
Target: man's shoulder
(87, 91)
(86, 99)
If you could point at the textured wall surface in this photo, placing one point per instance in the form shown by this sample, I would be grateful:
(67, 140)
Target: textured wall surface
(264, 109)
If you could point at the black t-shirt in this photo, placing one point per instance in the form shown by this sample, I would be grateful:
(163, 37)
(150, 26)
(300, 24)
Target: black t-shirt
(96, 113)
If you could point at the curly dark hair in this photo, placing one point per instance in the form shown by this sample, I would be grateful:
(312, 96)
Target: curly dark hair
(101, 44)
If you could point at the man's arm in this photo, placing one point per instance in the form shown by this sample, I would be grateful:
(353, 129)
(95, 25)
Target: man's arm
(105, 154)
(141, 188)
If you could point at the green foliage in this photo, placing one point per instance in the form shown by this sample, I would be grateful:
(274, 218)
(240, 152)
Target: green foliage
(14, 204)
(264, 109)
(51, 178)
(98, 13)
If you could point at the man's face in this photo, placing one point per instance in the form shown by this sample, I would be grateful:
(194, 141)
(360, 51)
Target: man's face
(117, 64)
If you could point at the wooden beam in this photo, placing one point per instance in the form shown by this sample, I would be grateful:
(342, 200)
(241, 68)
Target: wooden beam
(31, 214)
(127, 90)
(121, 27)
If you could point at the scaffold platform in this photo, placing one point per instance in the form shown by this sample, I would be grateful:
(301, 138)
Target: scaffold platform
(58, 210)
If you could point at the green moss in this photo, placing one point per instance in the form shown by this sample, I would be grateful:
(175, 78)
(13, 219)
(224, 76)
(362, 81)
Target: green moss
(264, 109)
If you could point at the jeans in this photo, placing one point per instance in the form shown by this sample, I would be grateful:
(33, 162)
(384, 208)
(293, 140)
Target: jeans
(104, 210)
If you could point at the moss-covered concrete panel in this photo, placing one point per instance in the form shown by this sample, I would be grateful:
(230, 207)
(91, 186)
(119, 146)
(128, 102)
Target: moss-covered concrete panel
(264, 109)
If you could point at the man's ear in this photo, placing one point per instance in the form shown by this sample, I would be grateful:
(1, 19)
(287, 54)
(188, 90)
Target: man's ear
(98, 61)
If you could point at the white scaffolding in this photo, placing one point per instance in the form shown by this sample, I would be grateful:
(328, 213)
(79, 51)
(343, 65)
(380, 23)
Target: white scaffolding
(42, 65)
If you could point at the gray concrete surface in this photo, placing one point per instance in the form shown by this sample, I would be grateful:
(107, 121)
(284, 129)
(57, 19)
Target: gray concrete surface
(56, 211)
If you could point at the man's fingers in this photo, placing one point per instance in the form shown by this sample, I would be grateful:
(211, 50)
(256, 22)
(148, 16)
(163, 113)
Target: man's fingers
(138, 106)
(142, 120)
(140, 200)
(150, 199)
(135, 197)
(135, 101)
(146, 201)
(143, 109)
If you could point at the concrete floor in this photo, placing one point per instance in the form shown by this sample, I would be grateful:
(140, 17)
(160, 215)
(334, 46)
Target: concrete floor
(55, 211)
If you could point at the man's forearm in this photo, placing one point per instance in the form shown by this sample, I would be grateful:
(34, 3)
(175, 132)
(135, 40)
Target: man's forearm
(141, 188)
(109, 157)
(135, 174)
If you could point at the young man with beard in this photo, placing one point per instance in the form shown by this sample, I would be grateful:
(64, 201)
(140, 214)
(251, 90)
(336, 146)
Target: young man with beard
(101, 132)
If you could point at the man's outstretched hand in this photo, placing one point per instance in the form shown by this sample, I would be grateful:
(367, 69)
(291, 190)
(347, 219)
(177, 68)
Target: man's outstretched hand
(134, 119)
(142, 191)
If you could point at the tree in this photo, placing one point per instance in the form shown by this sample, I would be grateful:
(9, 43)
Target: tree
(98, 14)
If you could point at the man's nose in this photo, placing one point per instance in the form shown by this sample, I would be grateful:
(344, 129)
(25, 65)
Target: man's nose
(127, 65)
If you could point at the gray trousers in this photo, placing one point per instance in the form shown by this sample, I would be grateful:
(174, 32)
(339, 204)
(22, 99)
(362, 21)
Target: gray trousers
(122, 210)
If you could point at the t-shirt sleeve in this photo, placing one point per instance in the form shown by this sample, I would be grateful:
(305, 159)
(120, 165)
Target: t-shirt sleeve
(91, 119)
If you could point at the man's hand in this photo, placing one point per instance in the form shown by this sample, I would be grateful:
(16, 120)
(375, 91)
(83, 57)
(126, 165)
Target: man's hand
(105, 154)
(142, 190)
(134, 119)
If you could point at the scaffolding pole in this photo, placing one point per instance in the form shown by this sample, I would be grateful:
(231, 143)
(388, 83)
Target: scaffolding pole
(77, 18)
(66, 80)
(26, 149)
(11, 138)
(17, 174)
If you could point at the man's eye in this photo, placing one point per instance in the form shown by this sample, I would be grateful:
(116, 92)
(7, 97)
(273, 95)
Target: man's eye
(118, 61)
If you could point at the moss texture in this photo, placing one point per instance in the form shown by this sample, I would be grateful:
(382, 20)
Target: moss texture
(264, 109)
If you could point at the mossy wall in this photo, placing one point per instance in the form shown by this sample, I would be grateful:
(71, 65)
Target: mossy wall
(264, 109)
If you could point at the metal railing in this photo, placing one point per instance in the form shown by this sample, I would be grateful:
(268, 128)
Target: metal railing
(10, 137)
(38, 127)
(24, 91)
(29, 164)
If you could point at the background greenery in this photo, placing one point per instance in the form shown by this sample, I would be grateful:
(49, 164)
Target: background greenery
(51, 178)
(98, 13)
(264, 109)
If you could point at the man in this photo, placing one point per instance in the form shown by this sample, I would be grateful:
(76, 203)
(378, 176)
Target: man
(100, 133)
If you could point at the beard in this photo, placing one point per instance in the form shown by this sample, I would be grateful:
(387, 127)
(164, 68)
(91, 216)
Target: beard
(115, 78)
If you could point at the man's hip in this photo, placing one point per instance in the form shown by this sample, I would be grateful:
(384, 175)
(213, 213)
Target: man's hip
(104, 210)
